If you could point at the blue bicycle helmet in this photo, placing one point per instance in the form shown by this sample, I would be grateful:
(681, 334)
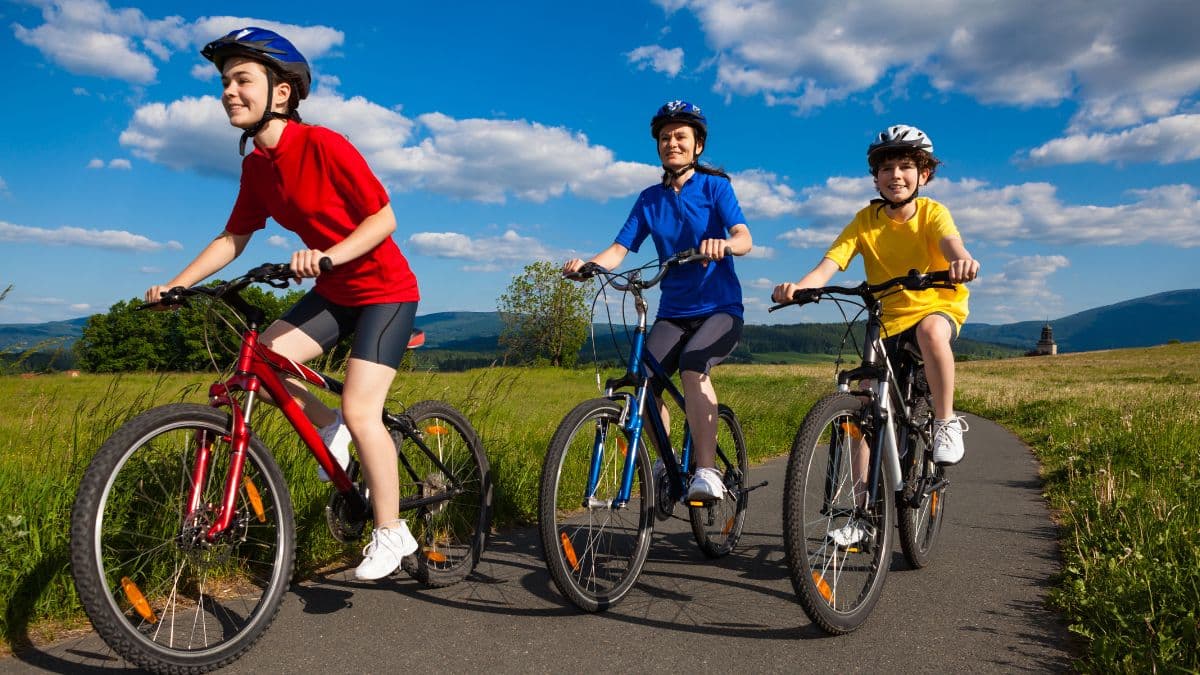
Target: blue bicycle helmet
(679, 111)
(274, 51)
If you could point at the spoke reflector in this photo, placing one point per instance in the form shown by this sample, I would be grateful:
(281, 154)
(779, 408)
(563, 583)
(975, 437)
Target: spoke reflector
(852, 429)
(569, 551)
(437, 429)
(434, 555)
(933, 504)
(139, 602)
(255, 498)
(728, 526)
(622, 445)
(823, 587)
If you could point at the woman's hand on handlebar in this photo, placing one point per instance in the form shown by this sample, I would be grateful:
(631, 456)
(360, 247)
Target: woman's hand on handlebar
(714, 249)
(307, 263)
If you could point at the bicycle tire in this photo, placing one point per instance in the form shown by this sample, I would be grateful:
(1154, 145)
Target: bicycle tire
(451, 534)
(920, 525)
(718, 527)
(155, 590)
(837, 586)
(594, 553)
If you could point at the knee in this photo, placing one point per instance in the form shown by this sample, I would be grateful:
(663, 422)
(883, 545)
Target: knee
(360, 421)
(933, 330)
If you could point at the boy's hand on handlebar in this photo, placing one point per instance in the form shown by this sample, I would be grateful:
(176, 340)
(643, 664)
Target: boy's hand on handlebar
(785, 292)
(307, 263)
(154, 296)
(963, 270)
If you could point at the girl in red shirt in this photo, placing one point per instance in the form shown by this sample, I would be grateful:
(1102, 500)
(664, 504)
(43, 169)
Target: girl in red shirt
(313, 182)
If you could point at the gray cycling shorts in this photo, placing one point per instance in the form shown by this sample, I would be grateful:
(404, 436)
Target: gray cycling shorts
(381, 332)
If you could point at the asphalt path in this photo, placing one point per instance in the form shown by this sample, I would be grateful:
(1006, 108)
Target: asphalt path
(979, 606)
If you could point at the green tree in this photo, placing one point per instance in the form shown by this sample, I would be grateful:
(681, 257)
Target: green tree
(545, 316)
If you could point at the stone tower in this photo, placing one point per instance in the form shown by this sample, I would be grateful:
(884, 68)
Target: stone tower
(1046, 345)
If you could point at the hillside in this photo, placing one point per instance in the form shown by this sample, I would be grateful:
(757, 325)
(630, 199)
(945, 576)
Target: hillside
(1141, 322)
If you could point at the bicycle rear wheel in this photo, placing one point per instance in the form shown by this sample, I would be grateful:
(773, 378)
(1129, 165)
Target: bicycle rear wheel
(156, 590)
(594, 548)
(451, 533)
(924, 483)
(718, 526)
(837, 583)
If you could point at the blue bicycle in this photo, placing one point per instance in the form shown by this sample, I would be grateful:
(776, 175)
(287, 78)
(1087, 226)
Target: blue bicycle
(598, 500)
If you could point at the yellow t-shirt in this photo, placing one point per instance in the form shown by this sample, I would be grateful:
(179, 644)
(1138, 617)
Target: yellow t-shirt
(890, 249)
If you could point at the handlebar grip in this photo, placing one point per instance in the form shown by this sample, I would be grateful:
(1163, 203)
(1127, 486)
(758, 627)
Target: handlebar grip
(728, 250)
(325, 264)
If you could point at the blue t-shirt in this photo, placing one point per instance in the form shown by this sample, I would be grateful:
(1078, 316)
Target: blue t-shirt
(705, 208)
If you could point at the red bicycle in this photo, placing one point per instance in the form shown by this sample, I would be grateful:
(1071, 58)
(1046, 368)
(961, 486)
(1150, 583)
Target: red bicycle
(183, 535)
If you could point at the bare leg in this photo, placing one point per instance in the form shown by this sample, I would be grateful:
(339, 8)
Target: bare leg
(933, 336)
(287, 340)
(701, 401)
(366, 391)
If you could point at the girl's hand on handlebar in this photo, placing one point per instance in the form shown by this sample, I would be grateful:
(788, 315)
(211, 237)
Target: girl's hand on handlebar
(307, 263)
(963, 270)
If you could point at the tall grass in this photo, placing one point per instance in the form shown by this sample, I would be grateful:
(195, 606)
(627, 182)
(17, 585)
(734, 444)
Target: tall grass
(50, 426)
(1118, 436)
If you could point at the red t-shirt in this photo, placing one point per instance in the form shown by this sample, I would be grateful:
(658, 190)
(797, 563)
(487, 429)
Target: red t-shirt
(316, 184)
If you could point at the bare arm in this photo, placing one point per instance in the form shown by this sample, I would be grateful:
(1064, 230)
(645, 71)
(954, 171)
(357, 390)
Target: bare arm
(609, 259)
(219, 253)
(819, 276)
(370, 232)
(739, 242)
(963, 267)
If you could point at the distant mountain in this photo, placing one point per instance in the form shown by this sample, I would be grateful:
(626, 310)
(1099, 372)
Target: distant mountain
(470, 337)
(1141, 322)
(21, 336)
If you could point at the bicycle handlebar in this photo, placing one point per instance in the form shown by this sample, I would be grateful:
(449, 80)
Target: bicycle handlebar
(913, 281)
(274, 274)
(591, 269)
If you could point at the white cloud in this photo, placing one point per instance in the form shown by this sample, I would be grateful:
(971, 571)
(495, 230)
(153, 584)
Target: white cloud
(762, 194)
(1124, 62)
(508, 247)
(95, 163)
(667, 61)
(120, 163)
(279, 241)
(761, 252)
(90, 37)
(1025, 212)
(762, 282)
(1168, 140)
(77, 236)
(478, 159)
(1022, 289)
(80, 307)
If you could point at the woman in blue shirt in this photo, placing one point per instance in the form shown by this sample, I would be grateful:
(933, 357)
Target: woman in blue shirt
(699, 318)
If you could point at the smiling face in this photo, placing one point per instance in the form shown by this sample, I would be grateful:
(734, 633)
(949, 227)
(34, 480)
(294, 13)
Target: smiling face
(245, 92)
(896, 179)
(677, 146)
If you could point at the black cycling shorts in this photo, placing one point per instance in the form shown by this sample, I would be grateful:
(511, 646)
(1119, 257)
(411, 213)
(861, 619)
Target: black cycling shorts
(381, 332)
(694, 344)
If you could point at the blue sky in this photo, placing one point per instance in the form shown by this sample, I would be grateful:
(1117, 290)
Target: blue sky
(507, 132)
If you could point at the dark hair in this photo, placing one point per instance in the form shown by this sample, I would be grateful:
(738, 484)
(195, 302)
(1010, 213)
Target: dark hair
(921, 158)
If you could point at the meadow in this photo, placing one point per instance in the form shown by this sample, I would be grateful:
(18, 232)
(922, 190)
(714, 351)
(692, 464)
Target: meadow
(1117, 434)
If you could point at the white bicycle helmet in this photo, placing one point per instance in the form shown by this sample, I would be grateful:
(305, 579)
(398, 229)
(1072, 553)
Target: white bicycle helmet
(900, 136)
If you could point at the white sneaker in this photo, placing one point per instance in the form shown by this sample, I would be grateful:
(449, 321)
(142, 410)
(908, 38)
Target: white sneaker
(849, 534)
(706, 484)
(387, 548)
(337, 438)
(947, 441)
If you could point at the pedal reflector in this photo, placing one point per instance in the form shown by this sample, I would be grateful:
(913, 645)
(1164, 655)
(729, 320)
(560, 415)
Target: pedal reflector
(255, 498)
(823, 587)
(569, 551)
(696, 503)
(139, 602)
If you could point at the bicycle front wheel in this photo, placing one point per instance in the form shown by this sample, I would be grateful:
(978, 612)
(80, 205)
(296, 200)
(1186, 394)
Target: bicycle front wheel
(718, 527)
(452, 533)
(156, 589)
(594, 545)
(838, 546)
(924, 500)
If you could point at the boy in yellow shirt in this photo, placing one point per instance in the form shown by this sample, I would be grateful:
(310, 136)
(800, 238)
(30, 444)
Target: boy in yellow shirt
(898, 233)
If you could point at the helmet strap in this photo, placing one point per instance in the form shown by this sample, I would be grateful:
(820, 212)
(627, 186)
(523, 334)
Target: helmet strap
(669, 175)
(268, 115)
(884, 201)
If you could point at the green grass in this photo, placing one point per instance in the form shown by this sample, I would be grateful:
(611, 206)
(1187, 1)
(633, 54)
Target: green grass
(51, 425)
(1118, 436)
